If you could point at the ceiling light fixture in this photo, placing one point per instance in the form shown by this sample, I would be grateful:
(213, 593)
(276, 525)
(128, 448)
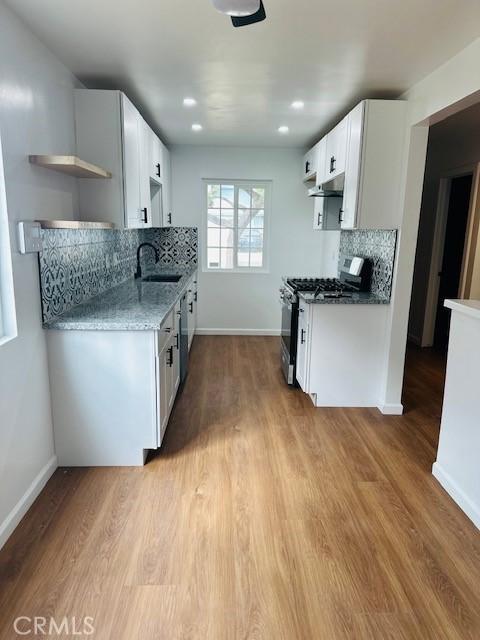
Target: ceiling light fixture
(197, 127)
(283, 129)
(237, 8)
(298, 104)
(189, 102)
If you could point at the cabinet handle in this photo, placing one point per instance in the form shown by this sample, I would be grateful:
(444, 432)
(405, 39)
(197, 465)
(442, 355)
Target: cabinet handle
(333, 164)
(170, 362)
(307, 167)
(319, 220)
(145, 214)
(177, 343)
(302, 337)
(169, 218)
(340, 216)
(159, 173)
(195, 297)
(190, 304)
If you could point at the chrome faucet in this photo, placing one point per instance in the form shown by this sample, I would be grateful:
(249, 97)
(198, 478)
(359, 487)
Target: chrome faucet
(138, 272)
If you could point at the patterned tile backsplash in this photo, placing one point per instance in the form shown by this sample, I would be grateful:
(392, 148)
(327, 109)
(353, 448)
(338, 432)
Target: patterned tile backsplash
(377, 245)
(76, 265)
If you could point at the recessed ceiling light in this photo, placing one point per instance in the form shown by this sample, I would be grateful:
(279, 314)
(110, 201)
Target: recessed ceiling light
(283, 129)
(189, 102)
(298, 104)
(197, 127)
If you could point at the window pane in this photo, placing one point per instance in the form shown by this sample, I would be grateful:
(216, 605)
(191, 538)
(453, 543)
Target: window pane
(258, 219)
(256, 259)
(228, 196)
(256, 239)
(258, 198)
(227, 218)
(213, 195)
(244, 239)
(244, 198)
(213, 237)
(226, 238)
(213, 258)
(214, 217)
(244, 216)
(243, 258)
(226, 258)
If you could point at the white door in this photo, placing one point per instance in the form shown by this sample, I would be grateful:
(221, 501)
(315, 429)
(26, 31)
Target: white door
(131, 163)
(353, 165)
(302, 345)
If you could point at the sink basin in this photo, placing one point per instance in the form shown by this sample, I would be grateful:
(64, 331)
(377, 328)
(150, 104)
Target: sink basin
(162, 278)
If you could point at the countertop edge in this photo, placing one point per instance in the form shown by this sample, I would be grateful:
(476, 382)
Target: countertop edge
(467, 307)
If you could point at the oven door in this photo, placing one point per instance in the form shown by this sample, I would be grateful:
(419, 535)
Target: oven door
(289, 336)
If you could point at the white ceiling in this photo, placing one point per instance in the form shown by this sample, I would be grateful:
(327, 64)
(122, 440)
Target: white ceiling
(329, 54)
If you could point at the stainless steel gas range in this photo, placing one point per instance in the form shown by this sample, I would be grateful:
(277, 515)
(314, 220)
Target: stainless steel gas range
(354, 277)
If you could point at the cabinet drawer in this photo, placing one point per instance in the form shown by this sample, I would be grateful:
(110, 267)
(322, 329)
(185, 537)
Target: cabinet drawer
(165, 333)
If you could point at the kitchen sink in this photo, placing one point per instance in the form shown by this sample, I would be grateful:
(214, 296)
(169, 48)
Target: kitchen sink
(162, 278)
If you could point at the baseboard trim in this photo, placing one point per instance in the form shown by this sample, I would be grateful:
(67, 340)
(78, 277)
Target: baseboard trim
(391, 409)
(462, 500)
(10, 523)
(237, 332)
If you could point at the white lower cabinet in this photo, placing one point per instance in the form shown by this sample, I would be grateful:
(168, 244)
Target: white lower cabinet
(302, 346)
(192, 303)
(112, 392)
(341, 353)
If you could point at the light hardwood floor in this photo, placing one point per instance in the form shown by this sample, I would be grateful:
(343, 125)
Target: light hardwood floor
(261, 518)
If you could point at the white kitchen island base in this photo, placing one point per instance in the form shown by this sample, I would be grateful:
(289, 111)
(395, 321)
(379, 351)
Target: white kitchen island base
(457, 467)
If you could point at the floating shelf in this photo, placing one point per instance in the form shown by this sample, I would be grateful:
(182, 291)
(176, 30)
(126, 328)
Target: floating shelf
(70, 165)
(74, 224)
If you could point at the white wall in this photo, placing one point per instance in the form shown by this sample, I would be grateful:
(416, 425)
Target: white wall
(36, 116)
(249, 302)
(451, 88)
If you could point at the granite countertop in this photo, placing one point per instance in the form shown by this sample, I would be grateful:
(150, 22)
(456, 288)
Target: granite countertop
(355, 298)
(133, 305)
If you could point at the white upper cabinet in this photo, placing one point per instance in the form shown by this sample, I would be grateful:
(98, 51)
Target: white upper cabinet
(111, 131)
(352, 167)
(309, 165)
(166, 187)
(336, 150)
(365, 152)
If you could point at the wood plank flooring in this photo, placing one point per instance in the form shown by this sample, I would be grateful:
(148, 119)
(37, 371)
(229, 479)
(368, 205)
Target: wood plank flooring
(261, 518)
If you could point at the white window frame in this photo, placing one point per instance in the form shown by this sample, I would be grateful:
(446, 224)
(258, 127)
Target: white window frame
(8, 322)
(265, 184)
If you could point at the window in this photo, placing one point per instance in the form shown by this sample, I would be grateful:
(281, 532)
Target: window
(237, 216)
(8, 325)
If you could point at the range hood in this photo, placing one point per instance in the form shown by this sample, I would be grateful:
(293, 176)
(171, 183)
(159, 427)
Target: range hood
(331, 189)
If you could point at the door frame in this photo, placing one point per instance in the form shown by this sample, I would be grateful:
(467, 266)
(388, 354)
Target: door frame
(438, 246)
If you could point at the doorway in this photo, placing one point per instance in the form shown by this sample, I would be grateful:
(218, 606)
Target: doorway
(450, 274)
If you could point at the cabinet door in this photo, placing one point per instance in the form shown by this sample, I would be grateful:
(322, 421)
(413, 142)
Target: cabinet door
(321, 159)
(353, 165)
(302, 346)
(336, 149)
(309, 165)
(131, 127)
(155, 157)
(145, 135)
(191, 307)
(176, 349)
(166, 187)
